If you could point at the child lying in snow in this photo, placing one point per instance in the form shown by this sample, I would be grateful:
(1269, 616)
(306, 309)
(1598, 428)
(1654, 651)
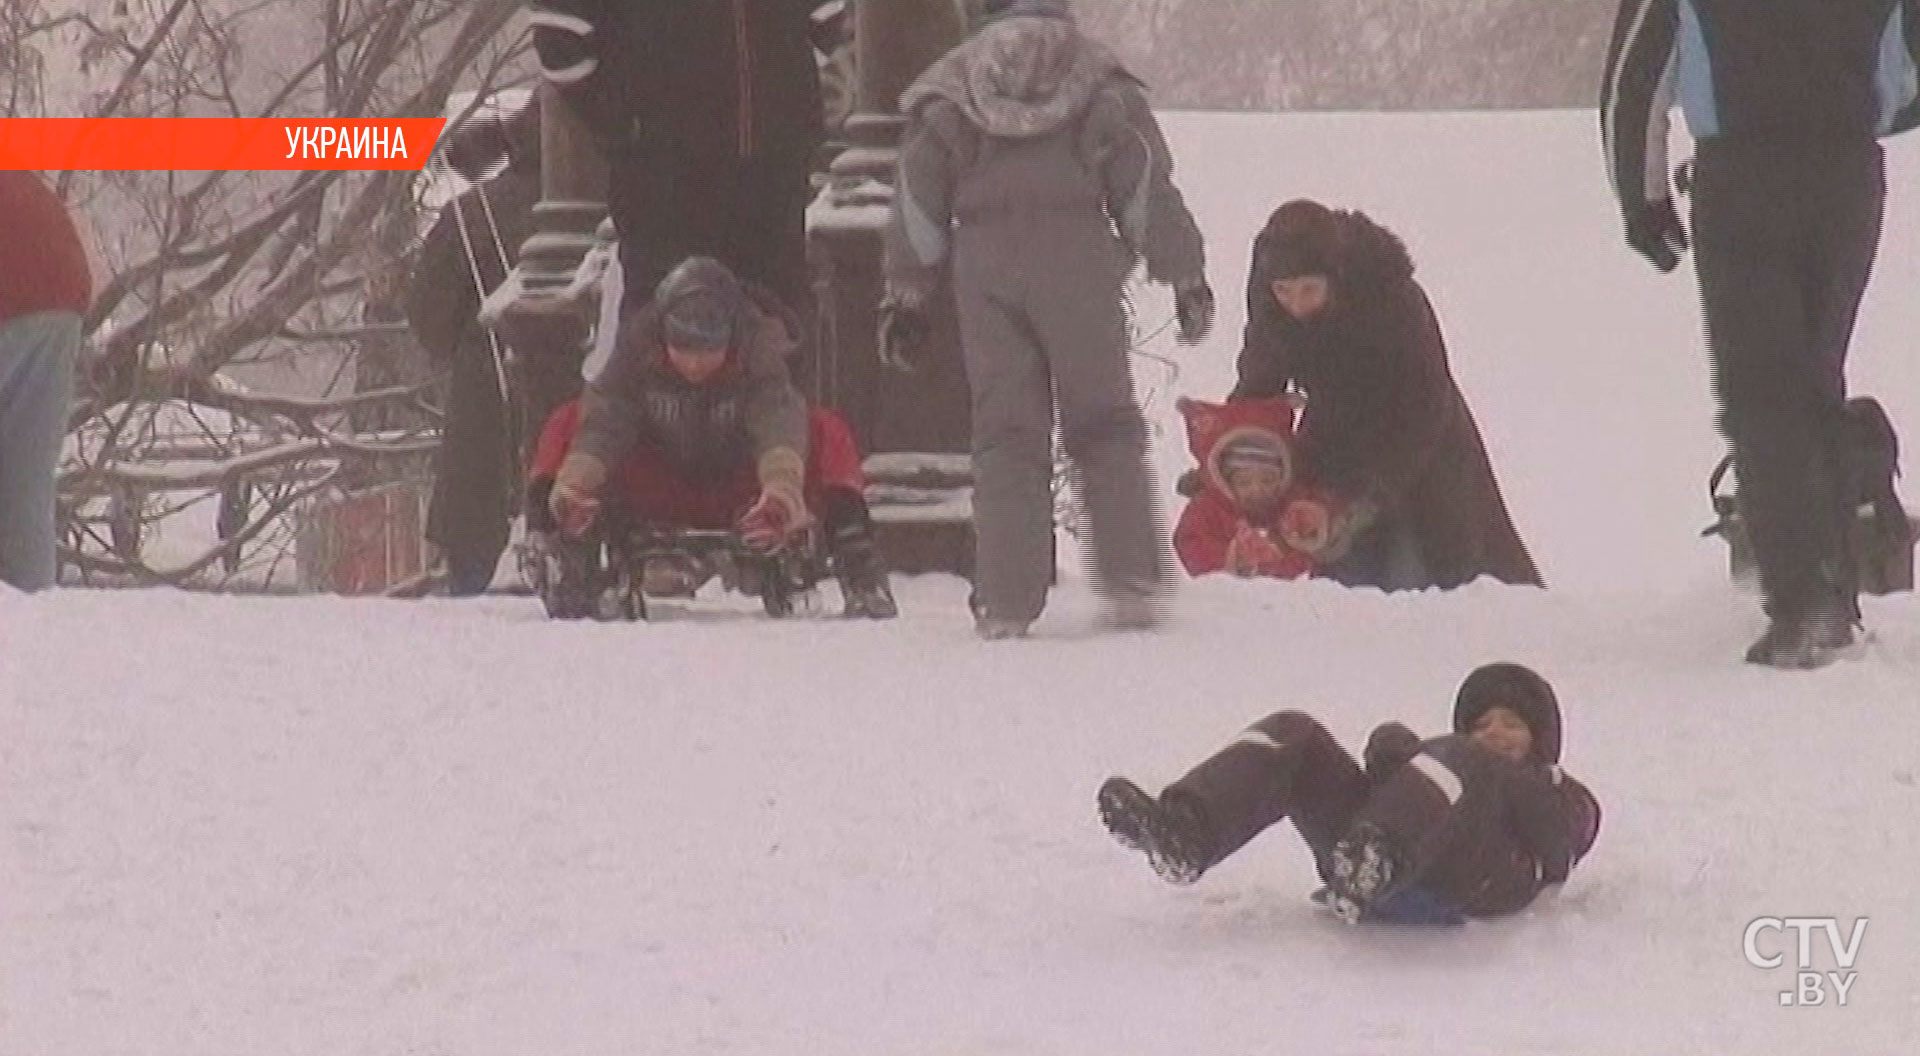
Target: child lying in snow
(1474, 823)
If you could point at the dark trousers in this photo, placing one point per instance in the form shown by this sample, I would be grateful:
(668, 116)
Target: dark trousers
(751, 217)
(1784, 240)
(1286, 766)
(468, 513)
(485, 441)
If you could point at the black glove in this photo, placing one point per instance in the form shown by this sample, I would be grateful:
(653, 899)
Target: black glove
(1655, 232)
(478, 149)
(1388, 749)
(1191, 483)
(1193, 309)
(905, 332)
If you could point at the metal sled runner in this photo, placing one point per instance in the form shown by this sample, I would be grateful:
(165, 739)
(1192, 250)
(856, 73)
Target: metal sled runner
(604, 577)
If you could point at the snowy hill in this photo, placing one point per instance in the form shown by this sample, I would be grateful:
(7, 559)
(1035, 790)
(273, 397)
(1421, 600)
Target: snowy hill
(321, 826)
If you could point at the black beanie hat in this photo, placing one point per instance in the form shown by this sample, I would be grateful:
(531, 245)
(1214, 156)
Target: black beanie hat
(1516, 687)
(699, 302)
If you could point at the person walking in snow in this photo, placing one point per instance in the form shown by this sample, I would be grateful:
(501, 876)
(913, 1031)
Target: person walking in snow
(1473, 823)
(1786, 102)
(709, 114)
(1334, 310)
(1032, 176)
(45, 287)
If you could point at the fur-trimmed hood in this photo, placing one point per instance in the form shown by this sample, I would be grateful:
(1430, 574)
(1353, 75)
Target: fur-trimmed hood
(1020, 76)
(1213, 427)
(1304, 237)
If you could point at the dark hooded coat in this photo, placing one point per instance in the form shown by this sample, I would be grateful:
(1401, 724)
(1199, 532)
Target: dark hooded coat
(1384, 421)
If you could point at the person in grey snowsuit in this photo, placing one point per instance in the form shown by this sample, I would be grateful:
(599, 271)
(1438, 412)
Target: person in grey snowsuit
(1033, 177)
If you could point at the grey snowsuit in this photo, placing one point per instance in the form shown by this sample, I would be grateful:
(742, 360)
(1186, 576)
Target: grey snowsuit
(1034, 173)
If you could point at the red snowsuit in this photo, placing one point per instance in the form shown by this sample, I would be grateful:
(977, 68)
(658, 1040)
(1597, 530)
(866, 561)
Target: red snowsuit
(1214, 534)
(646, 487)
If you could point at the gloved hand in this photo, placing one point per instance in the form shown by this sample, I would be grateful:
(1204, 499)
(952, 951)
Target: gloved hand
(1193, 310)
(905, 331)
(574, 510)
(1191, 483)
(1314, 528)
(1655, 232)
(1251, 553)
(1388, 749)
(777, 516)
(1307, 526)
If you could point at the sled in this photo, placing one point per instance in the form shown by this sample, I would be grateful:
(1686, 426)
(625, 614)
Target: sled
(603, 577)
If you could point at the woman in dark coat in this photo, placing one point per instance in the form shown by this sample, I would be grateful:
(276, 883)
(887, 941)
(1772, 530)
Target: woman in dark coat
(1333, 309)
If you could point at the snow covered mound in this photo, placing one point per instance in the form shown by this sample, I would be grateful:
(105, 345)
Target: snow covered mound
(326, 826)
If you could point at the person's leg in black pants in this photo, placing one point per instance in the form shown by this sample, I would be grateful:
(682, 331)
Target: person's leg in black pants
(1782, 248)
(1286, 766)
(468, 512)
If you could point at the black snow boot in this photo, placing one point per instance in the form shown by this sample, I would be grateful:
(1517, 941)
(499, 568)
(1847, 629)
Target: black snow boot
(856, 560)
(565, 573)
(1803, 643)
(1366, 869)
(1174, 835)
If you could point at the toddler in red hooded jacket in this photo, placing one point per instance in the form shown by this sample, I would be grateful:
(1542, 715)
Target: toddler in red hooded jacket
(1252, 515)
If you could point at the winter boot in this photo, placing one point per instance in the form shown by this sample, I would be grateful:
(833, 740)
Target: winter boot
(856, 559)
(1366, 867)
(1132, 612)
(995, 629)
(1802, 643)
(990, 628)
(863, 580)
(1173, 834)
(566, 574)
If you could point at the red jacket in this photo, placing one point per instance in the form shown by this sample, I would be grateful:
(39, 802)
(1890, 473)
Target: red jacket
(43, 267)
(1213, 534)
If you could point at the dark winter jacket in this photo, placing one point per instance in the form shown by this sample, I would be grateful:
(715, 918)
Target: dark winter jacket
(687, 83)
(1385, 424)
(1481, 833)
(750, 412)
(1029, 118)
(43, 266)
(1798, 73)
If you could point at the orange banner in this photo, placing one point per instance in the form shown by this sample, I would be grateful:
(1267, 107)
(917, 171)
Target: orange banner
(196, 143)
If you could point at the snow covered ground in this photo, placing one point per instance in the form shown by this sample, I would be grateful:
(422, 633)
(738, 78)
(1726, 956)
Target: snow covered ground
(326, 826)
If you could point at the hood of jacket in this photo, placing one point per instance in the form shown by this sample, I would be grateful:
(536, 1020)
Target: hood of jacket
(1020, 76)
(1213, 428)
(1517, 687)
